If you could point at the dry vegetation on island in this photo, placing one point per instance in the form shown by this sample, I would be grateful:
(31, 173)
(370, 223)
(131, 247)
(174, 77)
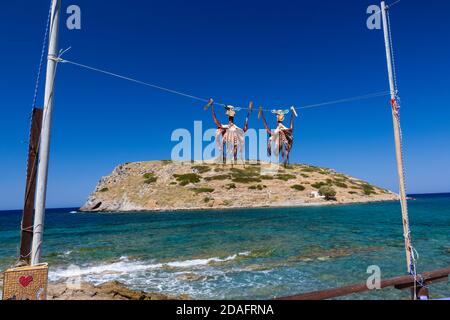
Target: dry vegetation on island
(168, 186)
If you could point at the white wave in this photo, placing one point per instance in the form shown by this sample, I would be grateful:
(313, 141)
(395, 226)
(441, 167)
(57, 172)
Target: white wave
(126, 266)
(123, 266)
(202, 262)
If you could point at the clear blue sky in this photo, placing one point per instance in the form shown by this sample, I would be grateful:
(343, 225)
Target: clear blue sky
(277, 53)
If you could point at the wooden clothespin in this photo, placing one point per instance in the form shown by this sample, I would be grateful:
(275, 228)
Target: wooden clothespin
(210, 103)
(294, 111)
(250, 107)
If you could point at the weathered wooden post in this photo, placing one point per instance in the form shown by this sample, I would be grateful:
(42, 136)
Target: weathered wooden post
(30, 189)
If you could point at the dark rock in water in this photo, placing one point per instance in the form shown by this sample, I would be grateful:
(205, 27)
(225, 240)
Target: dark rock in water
(323, 254)
(191, 277)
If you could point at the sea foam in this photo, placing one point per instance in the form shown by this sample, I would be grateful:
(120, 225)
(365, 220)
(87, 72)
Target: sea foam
(127, 266)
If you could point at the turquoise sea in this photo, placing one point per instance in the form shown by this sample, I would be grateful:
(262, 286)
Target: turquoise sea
(241, 254)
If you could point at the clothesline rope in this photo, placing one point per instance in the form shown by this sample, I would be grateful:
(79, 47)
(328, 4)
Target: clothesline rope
(327, 103)
(41, 60)
(134, 80)
(389, 6)
(351, 99)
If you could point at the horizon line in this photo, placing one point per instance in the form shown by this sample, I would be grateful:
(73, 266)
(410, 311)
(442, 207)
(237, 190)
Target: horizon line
(77, 207)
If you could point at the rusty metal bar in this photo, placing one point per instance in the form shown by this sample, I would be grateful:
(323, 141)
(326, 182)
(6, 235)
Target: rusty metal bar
(402, 282)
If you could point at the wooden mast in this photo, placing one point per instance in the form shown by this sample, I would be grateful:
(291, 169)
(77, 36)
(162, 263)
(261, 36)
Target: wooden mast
(44, 147)
(398, 140)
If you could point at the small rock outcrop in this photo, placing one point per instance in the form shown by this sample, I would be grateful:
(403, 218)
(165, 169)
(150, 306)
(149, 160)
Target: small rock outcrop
(108, 291)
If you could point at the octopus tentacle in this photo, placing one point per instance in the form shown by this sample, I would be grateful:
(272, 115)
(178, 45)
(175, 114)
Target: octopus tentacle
(233, 138)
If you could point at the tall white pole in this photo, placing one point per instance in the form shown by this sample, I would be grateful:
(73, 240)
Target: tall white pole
(398, 141)
(44, 148)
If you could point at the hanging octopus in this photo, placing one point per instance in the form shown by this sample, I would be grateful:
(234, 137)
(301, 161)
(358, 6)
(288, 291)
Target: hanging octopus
(232, 141)
(282, 137)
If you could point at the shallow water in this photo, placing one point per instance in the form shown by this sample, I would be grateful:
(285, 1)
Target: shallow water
(241, 254)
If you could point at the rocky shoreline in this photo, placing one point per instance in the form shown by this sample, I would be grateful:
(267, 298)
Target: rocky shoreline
(162, 186)
(107, 291)
(249, 207)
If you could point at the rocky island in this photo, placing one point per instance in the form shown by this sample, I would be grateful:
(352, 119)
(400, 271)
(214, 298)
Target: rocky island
(170, 186)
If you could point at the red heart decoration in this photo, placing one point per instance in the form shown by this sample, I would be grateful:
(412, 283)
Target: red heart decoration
(25, 281)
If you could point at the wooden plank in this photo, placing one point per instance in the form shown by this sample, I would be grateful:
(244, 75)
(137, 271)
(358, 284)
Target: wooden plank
(30, 189)
(402, 282)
